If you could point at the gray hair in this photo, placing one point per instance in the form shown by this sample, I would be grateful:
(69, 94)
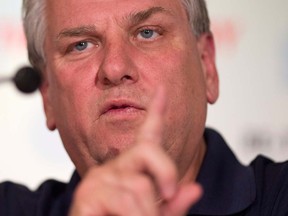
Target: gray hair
(34, 21)
(198, 16)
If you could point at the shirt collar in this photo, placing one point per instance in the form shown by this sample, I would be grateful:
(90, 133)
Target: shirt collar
(229, 187)
(75, 179)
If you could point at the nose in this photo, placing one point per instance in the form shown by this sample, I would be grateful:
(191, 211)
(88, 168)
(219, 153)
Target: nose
(117, 66)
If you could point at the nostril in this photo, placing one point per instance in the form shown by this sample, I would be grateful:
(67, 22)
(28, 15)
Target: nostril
(126, 77)
(106, 81)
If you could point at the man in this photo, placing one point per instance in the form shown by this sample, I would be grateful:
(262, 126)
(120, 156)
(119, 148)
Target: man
(127, 83)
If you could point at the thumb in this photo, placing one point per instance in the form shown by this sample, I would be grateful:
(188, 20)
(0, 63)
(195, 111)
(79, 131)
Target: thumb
(186, 196)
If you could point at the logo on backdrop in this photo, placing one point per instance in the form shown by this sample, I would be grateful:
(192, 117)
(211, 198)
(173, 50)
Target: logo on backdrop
(263, 140)
(12, 45)
(12, 37)
(227, 33)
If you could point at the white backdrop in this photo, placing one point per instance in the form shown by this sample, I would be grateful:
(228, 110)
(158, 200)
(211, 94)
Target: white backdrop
(252, 50)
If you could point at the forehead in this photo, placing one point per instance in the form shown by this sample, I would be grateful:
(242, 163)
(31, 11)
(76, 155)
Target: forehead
(69, 12)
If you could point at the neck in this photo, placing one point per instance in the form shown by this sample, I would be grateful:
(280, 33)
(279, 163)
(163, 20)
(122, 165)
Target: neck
(195, 164)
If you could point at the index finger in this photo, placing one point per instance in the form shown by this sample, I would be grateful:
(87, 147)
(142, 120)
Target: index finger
(151, 130)
(159, 165)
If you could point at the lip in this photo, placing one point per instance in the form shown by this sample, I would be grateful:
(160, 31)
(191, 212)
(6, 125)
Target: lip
(118, 105)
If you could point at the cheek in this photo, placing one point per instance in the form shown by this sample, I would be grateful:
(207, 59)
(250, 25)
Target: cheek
(69, 95)
(181, 74)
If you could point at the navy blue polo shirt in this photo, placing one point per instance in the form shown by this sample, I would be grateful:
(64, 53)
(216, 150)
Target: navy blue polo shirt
(233, 189)
(229, 188)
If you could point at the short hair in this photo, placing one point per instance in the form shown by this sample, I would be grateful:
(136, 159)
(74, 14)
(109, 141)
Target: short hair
(34, 21)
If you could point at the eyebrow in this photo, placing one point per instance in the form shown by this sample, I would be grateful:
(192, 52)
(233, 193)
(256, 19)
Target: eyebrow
(133, 18)
(142, 16)
(77, 31)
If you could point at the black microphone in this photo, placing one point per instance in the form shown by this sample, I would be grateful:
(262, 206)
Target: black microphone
(27, 79)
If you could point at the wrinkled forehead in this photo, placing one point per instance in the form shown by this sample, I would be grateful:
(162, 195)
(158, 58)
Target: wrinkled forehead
(70, 11)
(112, 4)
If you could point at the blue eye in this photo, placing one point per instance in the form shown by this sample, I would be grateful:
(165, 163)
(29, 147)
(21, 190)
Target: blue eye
(81, 46)
(147, 33)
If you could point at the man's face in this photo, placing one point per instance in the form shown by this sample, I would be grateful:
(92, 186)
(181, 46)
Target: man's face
(106, 59)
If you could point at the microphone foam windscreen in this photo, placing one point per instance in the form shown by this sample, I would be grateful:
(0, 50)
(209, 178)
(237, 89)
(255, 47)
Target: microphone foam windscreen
(27, 79)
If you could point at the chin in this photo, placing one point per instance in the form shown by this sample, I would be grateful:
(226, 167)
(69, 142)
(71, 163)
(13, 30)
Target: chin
(112, 153)
(113, 148)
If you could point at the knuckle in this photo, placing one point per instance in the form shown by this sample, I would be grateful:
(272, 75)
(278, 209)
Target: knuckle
(127, 199)
(142, 185)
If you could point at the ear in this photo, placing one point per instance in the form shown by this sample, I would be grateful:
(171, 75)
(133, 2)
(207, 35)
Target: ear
(44, 89)
(206, 49)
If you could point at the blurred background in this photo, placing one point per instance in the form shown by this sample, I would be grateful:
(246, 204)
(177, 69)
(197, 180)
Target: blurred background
(252, 56)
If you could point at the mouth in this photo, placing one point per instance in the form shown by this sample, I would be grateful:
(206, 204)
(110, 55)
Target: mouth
(120, 107)
(115, 108)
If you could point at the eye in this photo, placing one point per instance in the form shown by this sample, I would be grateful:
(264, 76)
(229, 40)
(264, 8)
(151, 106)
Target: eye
(82, 46)
(148, 34)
